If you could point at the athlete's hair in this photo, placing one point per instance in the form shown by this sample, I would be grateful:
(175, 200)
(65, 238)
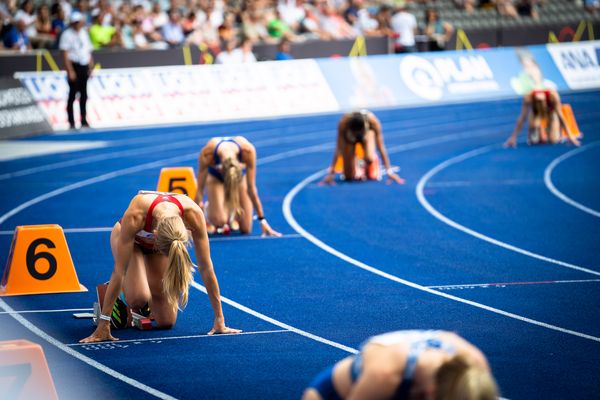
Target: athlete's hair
(172, 239)
(539, 106)
(232, 176)
(356, 127)
(458, 380)
(357, 122)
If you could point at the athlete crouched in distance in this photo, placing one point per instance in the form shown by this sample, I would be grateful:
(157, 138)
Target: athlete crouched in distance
(152, 264)
(227, 169)
(546, 119)
(409, 365)
(360, 127)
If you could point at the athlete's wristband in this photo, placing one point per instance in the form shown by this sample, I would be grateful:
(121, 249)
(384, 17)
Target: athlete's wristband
(104, 317)
(263, 221)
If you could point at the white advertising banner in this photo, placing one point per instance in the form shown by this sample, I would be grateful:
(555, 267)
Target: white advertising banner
(203, 93)
(579, 63)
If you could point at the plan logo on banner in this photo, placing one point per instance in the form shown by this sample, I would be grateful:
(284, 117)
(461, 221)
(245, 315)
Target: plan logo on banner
(579, 63)
(456, 76)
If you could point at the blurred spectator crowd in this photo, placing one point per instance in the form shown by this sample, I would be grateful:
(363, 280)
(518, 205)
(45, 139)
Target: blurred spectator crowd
(227, 25)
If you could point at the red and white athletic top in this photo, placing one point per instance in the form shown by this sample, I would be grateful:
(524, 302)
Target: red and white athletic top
(145, 238)
(546, 93)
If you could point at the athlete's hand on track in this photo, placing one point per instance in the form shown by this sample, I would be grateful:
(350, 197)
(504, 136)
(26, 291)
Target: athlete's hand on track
(511, 142)
(328, 180)
(396, 178)
(267, 230)
(220, 328)
(101, 334)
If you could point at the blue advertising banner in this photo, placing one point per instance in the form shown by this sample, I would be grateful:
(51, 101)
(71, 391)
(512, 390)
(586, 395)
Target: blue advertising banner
(448, 77)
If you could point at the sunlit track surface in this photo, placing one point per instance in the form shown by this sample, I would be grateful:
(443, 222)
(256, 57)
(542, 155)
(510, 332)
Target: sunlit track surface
(305, 308)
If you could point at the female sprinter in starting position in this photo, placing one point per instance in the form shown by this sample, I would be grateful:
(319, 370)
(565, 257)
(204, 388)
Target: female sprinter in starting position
(409, 365)
(360, 127)
(152, 263)
(545, 105)
(227, 168)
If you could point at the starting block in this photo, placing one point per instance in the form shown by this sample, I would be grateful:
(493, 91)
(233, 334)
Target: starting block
(359, 152)
(374, 172)
(570, 121)
(178, 180)
(39, 262)
(24, 372)
(122, 316)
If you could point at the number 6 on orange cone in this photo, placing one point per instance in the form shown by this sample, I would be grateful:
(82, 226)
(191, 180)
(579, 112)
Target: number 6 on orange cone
(39, 262)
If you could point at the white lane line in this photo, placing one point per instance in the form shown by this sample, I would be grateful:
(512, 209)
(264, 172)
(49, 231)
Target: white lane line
(95, 158)
(430, 209)
(505, 182)
(503, 284)
(278, 323)
(558, 193)
(165, 338)
(140, 151)
(72, 230)
(213, 238)
(16, 149)
(46, 311)
(90, 181)
(296, 226)
(254, 237)
(93, 363)
(121, 172)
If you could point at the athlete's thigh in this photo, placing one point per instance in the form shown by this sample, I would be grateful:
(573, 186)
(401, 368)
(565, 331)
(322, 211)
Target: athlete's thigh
(135, 285)
(554, 132)
(216, 212)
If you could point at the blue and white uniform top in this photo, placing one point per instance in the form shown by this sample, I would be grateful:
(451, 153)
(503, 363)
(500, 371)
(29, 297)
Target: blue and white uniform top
(417, 341)
(217, 169)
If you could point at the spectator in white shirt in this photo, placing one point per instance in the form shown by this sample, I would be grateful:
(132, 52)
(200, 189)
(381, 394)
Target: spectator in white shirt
(76, 48)
(404, 25)
(233, 55)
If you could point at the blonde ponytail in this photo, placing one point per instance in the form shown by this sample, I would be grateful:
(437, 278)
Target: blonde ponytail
(232, 176)
(458, 380)
(172, 240)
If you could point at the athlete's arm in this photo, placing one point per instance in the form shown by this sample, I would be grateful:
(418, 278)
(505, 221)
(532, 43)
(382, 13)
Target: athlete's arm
(194, 218)
(203, 161)
(130, 224)
(512, 140)
(376, 126)
(375, 382)
(336, 153)
(250, 161)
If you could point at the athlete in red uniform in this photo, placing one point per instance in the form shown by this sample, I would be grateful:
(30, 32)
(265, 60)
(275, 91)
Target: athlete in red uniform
(544, 105)
(152, 264)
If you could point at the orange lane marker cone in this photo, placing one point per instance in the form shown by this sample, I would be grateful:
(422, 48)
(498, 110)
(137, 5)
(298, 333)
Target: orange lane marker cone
(39, 262)
(24, 372)
(178, 180)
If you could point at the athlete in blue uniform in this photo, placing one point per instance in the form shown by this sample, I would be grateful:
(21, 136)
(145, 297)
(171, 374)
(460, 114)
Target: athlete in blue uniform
(227, 170)
(408, 365)
(152, 264)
